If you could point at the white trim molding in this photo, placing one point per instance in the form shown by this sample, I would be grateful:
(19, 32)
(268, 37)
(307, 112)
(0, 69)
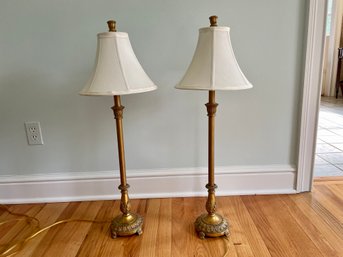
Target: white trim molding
(311, 93)
(82, 186)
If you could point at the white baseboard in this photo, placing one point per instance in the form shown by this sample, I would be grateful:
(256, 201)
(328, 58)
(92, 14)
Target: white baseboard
(162, 183)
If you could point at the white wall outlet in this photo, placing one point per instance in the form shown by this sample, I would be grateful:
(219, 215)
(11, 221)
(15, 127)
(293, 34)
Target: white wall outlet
(33, 133)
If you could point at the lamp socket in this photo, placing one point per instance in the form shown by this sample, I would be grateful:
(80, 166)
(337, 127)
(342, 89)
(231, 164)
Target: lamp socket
(33, 133)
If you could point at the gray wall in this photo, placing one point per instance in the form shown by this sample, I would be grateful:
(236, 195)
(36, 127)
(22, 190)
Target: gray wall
(47, 51)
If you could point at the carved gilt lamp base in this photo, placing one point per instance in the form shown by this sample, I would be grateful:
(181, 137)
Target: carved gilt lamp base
(211, 225)
(126, 225)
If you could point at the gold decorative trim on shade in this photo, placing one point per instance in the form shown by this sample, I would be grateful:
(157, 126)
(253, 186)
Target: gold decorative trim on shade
(214, 65)
(117, 70)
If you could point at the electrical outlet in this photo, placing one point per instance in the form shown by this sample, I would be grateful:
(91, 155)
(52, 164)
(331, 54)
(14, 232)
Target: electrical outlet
(33, 133)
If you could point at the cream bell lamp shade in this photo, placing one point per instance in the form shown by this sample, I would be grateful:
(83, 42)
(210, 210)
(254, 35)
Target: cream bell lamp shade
(117, 70)
(214, 65)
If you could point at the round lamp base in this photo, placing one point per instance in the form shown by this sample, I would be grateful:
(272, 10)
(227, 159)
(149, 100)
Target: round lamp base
(211, 225)
(126, 225)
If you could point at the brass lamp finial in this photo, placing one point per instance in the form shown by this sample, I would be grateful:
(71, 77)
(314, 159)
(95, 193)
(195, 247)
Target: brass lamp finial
(111, 26)
(213, 20)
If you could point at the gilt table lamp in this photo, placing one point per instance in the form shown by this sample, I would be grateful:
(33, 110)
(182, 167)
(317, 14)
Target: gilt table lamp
(117, 72)
(214, 67)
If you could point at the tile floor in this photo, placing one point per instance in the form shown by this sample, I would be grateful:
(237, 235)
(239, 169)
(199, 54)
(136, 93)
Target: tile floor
(329, 150)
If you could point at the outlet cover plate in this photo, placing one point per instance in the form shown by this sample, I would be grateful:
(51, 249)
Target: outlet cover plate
(34, 133)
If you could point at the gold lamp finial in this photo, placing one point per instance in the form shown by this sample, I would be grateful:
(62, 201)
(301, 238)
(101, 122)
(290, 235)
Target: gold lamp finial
(213, 20)
(111, 26)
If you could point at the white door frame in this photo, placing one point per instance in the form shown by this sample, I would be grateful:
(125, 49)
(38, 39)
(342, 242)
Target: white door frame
(311, 94)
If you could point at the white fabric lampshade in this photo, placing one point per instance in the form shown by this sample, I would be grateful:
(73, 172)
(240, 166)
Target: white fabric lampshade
(214, 66)
(117, 70)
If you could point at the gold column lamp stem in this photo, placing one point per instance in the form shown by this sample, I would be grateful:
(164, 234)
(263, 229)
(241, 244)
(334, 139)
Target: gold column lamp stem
(211, 224)
(211, 186)
(126, 223)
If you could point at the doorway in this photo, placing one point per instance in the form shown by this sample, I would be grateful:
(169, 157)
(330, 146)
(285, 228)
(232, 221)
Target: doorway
(329, 146)
(329, 143)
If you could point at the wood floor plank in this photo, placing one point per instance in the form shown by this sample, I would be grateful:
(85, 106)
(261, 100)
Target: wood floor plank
(317, 230)
(309, 203)
(277, 225)
(270, 236)
(328, 180)
(149, 246)
(329, 201)
(244, 233)
(337, 189)
(97, 238)
(5, 216)
(10, 231)
(10, 221)
(58, 239)
(47, 216)
(108, 245)
(179, 227)
(48, 239)
(74, 232)
(23, 228)
(164, 242)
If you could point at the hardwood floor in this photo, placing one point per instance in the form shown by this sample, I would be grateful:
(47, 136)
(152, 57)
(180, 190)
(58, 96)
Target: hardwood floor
(302, 225)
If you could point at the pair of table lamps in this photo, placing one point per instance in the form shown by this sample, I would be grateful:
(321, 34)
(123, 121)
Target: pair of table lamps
(118, 72)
